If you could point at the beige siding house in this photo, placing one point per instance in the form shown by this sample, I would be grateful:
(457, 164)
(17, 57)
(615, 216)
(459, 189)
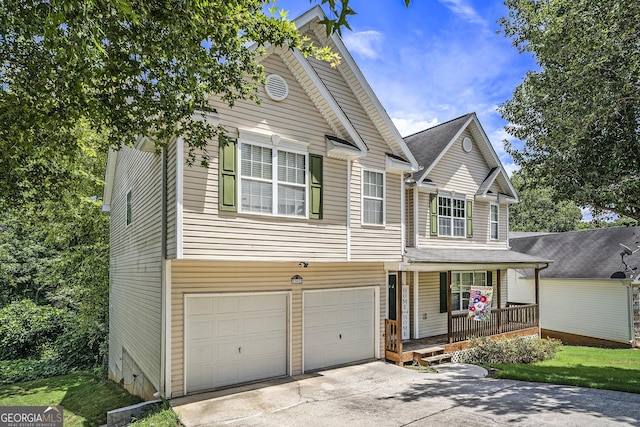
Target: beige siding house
(274, 260)
(456, 211)
(591, 293)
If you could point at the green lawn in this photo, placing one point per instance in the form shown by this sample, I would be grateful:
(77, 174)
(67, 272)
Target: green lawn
(611, 369)
(85, 398)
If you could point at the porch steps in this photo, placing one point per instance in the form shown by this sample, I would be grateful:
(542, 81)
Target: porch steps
(431, 355)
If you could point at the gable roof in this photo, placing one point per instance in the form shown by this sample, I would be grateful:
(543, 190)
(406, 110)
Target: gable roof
(430, 145)
(585, 254)
(359, 86)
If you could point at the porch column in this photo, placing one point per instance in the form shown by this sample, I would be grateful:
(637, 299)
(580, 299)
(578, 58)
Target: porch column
(449, 320)
(499, 297)
(399, 317)
(498, 291)
(537, 285)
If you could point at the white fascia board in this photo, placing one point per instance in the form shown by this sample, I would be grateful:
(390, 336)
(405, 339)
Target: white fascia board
(396, 165)
(428, 186)
(109, 177)
(346, 56)
(211, 117)
(496, 159)
(340, 151)
(333, 105)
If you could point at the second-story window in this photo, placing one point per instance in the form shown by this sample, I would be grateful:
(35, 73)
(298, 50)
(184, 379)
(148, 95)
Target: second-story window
(451, 216)
(372, 197)
(494, 222)
(273, 182)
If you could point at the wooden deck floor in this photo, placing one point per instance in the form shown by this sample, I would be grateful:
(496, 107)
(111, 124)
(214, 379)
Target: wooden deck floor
(417, 344)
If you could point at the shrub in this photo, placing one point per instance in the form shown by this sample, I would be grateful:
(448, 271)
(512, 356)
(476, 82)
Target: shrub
(513, 351)
(13, 371)
(27, 330)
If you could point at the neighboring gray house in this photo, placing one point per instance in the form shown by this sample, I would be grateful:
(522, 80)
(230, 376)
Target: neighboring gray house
(590, 293)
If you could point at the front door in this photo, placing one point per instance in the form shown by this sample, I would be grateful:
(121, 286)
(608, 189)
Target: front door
(392, 303)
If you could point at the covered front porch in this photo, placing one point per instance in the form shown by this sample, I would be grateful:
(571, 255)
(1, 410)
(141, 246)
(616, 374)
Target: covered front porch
(428, 300)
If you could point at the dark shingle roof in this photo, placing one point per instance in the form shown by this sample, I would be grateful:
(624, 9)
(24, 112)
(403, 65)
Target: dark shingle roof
(427, 145)
(472, 256)
(586, 254)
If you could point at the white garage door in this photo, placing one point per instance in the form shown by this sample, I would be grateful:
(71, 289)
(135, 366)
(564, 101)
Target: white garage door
(234, 339)
(339, 327)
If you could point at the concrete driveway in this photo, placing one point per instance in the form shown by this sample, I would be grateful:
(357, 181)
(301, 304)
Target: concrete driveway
(381, 394)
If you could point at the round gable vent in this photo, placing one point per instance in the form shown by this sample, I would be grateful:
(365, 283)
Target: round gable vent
(467, 145)
(276, 87)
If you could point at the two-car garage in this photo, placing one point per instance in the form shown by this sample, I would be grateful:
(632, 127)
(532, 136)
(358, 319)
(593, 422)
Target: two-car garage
(238, 338)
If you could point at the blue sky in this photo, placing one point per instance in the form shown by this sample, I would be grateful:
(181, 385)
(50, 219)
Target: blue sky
(434, 61)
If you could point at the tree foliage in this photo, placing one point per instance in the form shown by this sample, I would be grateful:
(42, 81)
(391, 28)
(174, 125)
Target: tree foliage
(578, 114)
(131, 68)
(55, 258)
(538, 211)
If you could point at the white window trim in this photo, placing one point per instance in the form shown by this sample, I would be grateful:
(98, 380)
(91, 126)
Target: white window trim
(128, 200)
(384, 198)
(464, 217)
(497, 221)
(453, 273)
(274, 181)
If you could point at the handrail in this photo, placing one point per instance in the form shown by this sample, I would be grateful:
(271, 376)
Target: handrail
(502, 320)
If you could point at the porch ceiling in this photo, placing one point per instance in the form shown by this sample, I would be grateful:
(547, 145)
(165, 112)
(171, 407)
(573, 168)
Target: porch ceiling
(433, 259)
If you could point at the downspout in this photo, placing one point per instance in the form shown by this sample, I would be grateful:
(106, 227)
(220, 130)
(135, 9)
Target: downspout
(163, 257)
(629, 287)
(403, 215)
(348, 210)
(537, 284)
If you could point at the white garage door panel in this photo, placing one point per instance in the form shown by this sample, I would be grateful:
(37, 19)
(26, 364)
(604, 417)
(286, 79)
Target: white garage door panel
(339, 327)
(234, 339)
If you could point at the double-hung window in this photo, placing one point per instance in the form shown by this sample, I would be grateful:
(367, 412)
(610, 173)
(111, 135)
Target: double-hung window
(273, 182)
(461, 283)
(494, 222)
(451, 216)
(372, 197)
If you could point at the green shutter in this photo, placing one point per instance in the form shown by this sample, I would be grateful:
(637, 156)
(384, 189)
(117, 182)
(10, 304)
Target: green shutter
(433, 206)
(443, 292)
(228, 176)
(469, 218)
(315, 186)
(489, 278)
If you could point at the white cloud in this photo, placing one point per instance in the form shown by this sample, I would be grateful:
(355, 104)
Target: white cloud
(410, 125)
(464, 11)
(510, 168)
(365, 43)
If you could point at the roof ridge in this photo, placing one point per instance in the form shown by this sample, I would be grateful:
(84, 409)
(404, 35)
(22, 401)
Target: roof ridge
(439, 124)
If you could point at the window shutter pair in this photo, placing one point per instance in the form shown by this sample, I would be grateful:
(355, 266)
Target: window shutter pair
(228, 179)
(433, 207)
